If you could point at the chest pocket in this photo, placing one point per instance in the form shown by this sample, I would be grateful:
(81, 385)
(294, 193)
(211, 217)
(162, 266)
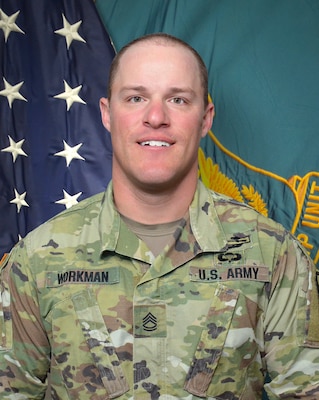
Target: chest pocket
(227, 352)
(83, 353)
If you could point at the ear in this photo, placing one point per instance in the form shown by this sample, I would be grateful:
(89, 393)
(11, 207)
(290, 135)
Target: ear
(105, 112)
(208, 118)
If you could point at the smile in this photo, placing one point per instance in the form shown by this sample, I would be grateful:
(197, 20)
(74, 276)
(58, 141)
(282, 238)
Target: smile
(155, 143)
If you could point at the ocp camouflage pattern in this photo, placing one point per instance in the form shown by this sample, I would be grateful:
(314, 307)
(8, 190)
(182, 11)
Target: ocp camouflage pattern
(232, 297)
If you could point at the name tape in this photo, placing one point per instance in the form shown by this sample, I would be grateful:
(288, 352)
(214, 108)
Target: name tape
(105, 276)
(222, 273)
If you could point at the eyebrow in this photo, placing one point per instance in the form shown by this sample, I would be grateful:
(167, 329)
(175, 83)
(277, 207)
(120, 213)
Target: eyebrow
(172, 90)
(138, 88)
(186, 89)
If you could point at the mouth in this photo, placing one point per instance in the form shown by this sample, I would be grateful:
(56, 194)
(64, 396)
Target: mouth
(155, 143)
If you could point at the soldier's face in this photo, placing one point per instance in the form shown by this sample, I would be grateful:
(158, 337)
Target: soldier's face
(156, 116)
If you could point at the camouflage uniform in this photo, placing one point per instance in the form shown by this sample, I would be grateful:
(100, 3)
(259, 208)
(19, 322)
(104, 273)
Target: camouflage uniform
(232, 296)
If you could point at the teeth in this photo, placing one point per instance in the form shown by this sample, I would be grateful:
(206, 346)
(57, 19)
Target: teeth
(157, 143)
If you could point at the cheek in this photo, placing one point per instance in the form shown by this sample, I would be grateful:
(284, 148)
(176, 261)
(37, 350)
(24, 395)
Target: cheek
(193, 131)
(123, 123)
(120, 134)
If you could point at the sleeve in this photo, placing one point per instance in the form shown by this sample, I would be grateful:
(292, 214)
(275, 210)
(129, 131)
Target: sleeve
(292, 326)
(24, 347)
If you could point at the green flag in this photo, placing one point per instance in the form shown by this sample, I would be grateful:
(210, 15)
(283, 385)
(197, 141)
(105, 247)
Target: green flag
(263, 63)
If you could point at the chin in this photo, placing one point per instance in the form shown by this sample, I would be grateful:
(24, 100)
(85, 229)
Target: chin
(159, 186)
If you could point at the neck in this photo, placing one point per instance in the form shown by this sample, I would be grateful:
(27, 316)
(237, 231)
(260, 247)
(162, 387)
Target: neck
(150, 207)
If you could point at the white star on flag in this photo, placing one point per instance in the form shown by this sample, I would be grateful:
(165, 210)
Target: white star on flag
(70, 31)
(70, 153)
(8, 25)
(70, 95)
(15, 148)
(19, 200)
(12, 92)
(69, 200)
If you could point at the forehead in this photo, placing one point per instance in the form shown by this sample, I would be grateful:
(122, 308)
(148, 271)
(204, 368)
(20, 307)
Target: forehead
(157, 44)
(151, 57)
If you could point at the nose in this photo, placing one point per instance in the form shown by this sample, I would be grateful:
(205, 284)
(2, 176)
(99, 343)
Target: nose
(156, 115)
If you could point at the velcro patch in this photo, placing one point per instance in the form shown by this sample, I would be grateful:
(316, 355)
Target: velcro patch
(313, 332)
(150, 321)
(107, 276)
(230, 273)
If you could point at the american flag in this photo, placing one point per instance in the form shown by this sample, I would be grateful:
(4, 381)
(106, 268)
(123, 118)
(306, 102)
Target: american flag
(54, 150)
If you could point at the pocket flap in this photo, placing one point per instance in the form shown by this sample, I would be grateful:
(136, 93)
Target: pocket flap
(212, 340)
(99, 342)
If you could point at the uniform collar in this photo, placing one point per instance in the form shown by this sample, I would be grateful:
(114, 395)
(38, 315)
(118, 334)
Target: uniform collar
(109, 221)
(204, 221)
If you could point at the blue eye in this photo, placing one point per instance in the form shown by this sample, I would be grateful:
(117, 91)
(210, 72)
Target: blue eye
(178, 100)
(135, 99)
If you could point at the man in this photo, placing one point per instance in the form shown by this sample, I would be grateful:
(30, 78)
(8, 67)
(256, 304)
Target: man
(159, 288)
